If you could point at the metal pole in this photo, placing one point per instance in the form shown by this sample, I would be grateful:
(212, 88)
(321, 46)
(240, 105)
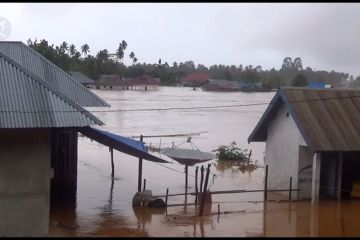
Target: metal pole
(140, 169)
(144, 184)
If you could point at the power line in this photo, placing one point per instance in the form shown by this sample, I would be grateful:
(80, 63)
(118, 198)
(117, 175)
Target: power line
(176, 108)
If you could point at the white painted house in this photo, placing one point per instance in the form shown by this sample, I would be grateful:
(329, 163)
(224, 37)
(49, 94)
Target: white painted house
(313, 136)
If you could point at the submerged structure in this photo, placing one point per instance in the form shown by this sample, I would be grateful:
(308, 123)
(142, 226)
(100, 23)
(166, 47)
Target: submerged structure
(312, 135)
(41, 114)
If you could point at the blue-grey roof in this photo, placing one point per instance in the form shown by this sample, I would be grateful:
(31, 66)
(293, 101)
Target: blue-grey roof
(81, 78)
(120, 143)
(328, 119)
(46, 70)
(27, 101)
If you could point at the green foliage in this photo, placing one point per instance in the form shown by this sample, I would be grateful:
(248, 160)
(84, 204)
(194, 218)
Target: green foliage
(231, 153)
(67, 57)
(300, 81)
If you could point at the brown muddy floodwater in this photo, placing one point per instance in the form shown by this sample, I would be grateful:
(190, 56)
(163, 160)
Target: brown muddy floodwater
(104, 208)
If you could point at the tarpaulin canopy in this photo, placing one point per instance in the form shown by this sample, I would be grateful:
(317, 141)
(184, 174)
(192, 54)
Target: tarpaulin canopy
(123, 144)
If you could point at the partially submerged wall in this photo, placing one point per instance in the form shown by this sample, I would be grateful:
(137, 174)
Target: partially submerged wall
(24, 182)
(282, 151)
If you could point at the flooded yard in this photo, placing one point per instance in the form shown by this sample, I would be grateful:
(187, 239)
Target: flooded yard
(104, 207)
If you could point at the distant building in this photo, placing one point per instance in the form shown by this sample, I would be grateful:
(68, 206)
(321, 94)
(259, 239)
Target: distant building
(318, 85)
(110, 82)
(312, 135)
(222, 85)
(195, 79)
(81, 78)
(143, 83)
(140, 83)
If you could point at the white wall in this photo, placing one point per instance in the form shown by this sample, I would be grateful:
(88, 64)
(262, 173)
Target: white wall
(282, 151)
(24, 182)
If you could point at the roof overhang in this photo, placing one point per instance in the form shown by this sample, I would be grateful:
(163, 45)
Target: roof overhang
(123, 144)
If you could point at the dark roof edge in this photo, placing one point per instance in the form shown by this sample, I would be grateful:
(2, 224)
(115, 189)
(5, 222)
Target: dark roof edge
(264, 117)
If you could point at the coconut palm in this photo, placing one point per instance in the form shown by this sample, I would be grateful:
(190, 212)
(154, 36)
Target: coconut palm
(85, 49)
(72, 50)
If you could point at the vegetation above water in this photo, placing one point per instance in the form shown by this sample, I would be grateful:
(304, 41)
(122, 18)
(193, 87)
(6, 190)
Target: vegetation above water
(290, 72)
(231, 153)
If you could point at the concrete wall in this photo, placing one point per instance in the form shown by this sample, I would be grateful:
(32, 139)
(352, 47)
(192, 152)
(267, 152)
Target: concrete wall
(24, 182)
(282, 151)
(305, 172)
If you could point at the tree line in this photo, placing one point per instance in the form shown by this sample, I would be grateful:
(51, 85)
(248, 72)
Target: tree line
(290, 73)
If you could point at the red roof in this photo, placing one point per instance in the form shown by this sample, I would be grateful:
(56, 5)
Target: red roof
(196, 77)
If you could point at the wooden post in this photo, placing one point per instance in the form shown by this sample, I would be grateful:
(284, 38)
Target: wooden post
(112, 162)
(140, 169)
(248, 162)
(266, 180)
(144, 184)
(186, 179)
(201, 178)
(290, 188)
(196, 184)
(218, 208)
(166, 197)
(204, 190)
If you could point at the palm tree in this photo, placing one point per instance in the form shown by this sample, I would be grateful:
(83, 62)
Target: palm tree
(85, 49)
(132, 55)
(72, 50)
(135, 60)
(64, 46)
(120, 54)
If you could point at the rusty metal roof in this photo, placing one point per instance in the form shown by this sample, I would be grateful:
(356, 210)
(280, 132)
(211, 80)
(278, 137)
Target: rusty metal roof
(27, 101)
(46, 70)
(328, 119)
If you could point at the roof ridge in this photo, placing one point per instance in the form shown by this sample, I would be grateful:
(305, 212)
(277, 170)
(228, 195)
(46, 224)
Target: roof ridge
(50, 88)
(57, 67)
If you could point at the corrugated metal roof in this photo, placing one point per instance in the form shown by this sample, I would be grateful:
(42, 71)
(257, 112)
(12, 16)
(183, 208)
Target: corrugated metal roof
(46, 70)
(328, 119)
(26, 101)
(80, 77)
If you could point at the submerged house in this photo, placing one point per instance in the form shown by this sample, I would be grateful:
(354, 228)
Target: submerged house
(142, 83)
(312, 135)
(81, 78)
(222, 85)
(114, 82)
(195, 79)
(41, 114)
(109, 82)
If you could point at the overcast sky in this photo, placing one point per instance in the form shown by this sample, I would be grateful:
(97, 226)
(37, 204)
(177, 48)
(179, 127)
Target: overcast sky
(325, 35)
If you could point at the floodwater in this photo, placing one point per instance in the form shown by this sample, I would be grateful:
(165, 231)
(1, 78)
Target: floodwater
(104, 207)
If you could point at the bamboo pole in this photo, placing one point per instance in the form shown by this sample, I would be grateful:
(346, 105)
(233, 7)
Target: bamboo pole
(266, 180)
(112, 163)
(201, 178)
(196, 183)
(186, 179)
(166, 197)
(290, 188)
(204, 190)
